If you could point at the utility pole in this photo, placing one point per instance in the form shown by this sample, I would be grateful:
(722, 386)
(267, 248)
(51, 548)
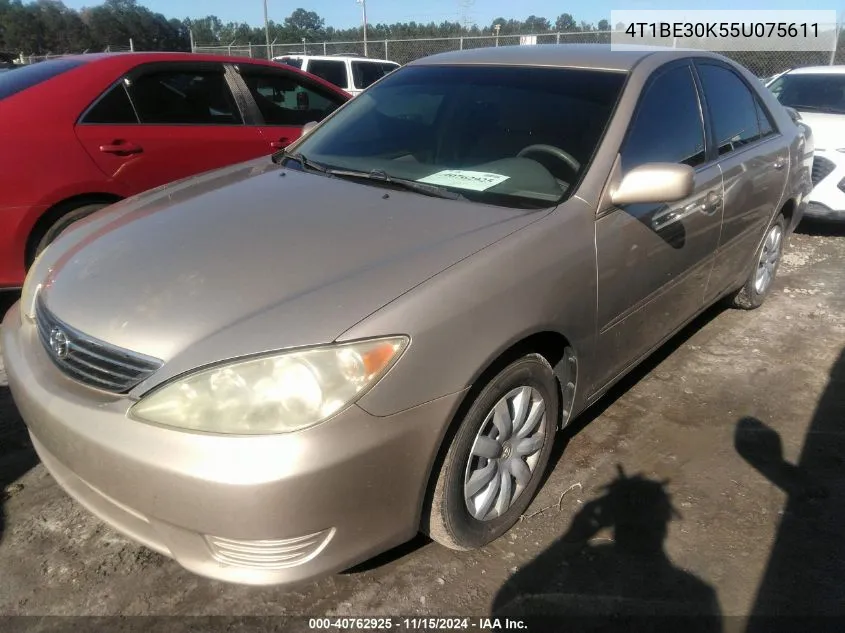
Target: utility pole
(363, 4)
(267, 31)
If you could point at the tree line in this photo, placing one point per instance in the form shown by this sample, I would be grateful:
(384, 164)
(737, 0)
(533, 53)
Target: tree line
(43, 27)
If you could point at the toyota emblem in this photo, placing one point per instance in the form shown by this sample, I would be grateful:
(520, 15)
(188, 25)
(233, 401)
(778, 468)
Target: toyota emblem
(59, 343)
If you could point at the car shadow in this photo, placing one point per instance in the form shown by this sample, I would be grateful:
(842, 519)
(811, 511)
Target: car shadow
(802, 584)
(17, 456)
(623, 581)
(820, 228)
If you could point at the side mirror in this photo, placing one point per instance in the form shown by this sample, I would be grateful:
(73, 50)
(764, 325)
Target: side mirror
(308, 127)
(655, 182)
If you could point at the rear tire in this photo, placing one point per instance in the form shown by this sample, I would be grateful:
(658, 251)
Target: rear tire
(53, 231)
(497, 457)
(766, 263)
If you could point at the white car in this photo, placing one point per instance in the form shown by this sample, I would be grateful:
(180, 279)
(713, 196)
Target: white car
(817, 93)
(353, 74)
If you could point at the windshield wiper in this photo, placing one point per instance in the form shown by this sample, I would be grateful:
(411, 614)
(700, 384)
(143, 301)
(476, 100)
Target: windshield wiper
(301, 159)
(409, 185)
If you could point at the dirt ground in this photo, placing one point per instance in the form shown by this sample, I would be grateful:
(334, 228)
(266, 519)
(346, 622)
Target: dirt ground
(737, 422)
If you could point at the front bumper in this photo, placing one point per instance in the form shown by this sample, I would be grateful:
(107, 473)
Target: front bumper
(827, 199)
(279, 509)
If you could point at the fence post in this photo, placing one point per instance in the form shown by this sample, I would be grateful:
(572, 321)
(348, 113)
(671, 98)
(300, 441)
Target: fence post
(835, 44)
(557, 41)
(325, 52)
(386, 56)
(131, 45)
(462, 43)
(191, 36)
(250, 49)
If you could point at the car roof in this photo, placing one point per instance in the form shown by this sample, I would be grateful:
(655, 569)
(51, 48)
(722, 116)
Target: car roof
(155, 56)
(819, 70)
(356, 58)
(599, 56)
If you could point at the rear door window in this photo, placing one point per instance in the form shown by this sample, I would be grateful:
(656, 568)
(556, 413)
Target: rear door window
(767, 128)
(113, 108)
(22, 78)
(333, 71)
(733, 108)
(184, 97)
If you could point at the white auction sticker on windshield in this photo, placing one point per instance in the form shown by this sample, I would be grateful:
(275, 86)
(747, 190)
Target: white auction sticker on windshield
(472, 180)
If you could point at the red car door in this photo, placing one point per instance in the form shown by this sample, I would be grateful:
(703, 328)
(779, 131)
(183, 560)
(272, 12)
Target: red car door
(166, 121)
(285, 101)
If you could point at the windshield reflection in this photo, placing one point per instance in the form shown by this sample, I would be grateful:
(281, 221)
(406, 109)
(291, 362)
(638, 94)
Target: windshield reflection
(511, 136)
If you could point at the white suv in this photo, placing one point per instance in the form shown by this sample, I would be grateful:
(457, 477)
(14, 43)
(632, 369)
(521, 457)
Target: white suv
(818, 94)
(353, 74)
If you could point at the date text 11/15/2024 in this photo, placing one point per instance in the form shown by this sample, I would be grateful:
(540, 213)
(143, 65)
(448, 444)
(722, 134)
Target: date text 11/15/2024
(415, 624)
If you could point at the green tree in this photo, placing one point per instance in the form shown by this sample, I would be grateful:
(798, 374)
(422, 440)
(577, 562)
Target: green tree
(307, 24)
(565, 23)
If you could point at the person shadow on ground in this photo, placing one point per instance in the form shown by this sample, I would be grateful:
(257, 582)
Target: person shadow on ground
(628, 582)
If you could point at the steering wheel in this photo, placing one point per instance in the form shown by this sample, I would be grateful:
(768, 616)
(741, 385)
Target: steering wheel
(558, 153)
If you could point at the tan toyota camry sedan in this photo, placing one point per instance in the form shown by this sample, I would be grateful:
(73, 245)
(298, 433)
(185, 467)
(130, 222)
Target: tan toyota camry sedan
(274, 371)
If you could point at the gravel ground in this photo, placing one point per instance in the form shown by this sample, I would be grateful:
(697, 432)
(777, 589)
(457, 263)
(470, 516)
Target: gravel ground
(736, 422)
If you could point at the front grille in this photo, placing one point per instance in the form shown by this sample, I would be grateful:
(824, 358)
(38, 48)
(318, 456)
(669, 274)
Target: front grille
(270, 554)
(88, 360)
(821, 169)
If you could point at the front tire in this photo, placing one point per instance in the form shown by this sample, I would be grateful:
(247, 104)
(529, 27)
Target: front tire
(497, 457)
(766, 263)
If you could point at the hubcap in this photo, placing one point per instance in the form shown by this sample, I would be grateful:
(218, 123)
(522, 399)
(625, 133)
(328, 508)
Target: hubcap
(769, 258)
(505, 453)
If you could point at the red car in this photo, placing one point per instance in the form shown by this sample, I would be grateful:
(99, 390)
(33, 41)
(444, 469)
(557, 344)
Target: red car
(79, 133)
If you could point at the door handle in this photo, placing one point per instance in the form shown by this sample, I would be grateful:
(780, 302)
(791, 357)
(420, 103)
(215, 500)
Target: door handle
(282, 143)
(779, 163)
(121, 148)
(711, 203)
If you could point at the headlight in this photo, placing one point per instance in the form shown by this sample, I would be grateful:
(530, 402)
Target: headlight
(272, 394)
(32, 284)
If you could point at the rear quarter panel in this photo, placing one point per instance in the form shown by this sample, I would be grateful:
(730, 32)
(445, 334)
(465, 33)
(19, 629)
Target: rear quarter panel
(42, 162)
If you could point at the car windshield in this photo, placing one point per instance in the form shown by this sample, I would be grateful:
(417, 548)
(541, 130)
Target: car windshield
(509, 136)
(822, 92)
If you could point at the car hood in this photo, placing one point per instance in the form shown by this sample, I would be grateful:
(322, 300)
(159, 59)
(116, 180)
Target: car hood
(253, 258)
(828, 129)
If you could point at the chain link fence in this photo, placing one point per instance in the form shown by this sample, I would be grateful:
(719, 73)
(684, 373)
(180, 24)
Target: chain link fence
(762, 63)
(34, 59)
